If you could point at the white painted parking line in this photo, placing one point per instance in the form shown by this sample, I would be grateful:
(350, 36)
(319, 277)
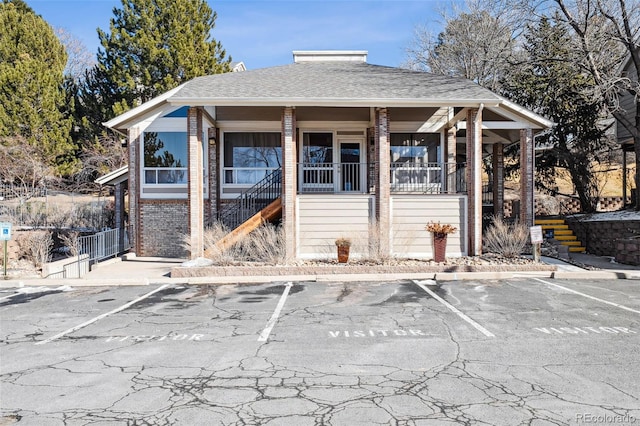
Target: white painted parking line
(617, 305)
(453, 309)
(33, 290)
(99, 317)
(274, 318)
(9, 296)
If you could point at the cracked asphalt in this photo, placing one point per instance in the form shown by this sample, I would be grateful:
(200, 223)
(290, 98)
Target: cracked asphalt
(506, 352)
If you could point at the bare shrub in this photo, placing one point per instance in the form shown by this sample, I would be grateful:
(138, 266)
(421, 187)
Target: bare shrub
(265, 244)
(36, 247)
(506, 239)
(211, 235)
(374, 252)
(71, 242)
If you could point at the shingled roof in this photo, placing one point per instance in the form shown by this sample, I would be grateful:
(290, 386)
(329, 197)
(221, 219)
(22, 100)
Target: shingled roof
(331, 79)
(336, 83)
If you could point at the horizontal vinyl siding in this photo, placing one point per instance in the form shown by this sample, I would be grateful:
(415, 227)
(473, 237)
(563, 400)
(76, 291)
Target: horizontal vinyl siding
(324, 218)
(627, 103)
(411, 213)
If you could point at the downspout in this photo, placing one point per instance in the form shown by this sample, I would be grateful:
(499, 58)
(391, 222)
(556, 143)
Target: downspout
(477, 181)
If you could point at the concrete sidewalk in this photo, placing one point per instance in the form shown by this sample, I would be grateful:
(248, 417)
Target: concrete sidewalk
(132, 270)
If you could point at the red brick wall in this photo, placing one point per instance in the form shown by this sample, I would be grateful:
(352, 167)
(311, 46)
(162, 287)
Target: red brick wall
(163, 225)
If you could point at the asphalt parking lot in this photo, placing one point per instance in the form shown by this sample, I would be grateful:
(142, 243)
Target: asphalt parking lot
(517, 351)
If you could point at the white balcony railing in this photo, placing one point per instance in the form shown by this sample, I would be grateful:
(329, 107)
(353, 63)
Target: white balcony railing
(332, 177)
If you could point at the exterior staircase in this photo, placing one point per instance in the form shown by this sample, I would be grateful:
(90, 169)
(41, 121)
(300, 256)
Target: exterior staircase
(260, 203)
(562, 233)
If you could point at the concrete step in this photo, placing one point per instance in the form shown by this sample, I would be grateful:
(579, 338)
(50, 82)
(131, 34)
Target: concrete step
(563, 232)
(577, 249)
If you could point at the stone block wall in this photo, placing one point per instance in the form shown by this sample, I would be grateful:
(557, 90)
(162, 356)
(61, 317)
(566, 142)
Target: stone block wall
(602, 237)
(628, 251)
(567, 205)
(163, 225)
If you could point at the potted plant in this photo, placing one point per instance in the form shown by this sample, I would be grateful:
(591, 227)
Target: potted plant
(343, 245)
(439, 234)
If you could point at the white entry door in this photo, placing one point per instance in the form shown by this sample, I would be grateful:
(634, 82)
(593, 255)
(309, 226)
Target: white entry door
(350, 171)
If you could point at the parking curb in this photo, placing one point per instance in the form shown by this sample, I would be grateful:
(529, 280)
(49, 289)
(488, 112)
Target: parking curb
(498, 275)
(245, 279)
(595, 275)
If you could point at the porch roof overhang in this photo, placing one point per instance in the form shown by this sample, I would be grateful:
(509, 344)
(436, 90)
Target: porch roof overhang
(114, 177)
(121, 122)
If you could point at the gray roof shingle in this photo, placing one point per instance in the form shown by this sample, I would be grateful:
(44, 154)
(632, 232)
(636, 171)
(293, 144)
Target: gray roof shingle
(332, 81)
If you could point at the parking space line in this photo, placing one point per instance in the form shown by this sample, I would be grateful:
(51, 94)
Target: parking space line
(9, 296)
(454, 309)
(99, 317)
(274, 318)
(617, 305)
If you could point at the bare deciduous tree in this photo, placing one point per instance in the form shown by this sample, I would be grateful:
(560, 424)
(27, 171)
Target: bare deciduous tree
(79, 59)
(609, 37)
(23, 167)
(477, 43)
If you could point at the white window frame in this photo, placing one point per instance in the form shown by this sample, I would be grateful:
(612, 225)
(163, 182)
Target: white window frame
(238, 127)
(171, 191)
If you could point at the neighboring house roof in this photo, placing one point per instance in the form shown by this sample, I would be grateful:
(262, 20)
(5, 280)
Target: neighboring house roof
(238, 66)
(325, 78)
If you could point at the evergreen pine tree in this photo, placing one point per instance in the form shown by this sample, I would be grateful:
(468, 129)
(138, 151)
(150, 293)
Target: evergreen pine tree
(155, 45)
(32, 100)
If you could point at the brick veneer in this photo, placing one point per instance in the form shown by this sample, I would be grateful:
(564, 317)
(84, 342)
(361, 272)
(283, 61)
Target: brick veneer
(474, 181)
(383, 185)
(163, 225)
(289, 185)
(195, 212)
(609, 238)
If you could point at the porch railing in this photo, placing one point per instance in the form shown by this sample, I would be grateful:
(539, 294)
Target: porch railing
(429, 178)
(426, 178)
(251, 201)
(332, 177)
(487, 193)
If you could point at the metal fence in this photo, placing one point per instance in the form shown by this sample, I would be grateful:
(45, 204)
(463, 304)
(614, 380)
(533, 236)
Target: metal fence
(91, 250)
(10, 192)
(100, 246)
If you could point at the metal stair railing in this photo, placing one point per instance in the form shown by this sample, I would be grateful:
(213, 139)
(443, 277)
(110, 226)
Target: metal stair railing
(251, 201)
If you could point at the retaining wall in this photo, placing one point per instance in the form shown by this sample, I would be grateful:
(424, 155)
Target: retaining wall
(619, 239)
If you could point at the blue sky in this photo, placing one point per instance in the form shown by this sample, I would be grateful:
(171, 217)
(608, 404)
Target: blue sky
(263, 33)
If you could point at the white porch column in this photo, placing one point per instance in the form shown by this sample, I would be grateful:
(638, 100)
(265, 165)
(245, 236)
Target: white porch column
(195, 183)
(527, 167)
(288, 184)
(474, 180)
(383, 183)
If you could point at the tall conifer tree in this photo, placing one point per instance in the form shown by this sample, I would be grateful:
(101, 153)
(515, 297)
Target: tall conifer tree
(155, 45)
(32, 62)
